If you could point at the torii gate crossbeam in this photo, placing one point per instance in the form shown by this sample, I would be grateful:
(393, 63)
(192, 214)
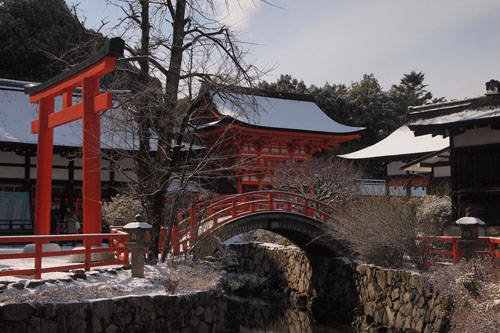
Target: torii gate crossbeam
(85, 75)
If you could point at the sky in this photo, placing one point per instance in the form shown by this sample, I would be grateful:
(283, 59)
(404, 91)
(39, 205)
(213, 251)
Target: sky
(456, 43)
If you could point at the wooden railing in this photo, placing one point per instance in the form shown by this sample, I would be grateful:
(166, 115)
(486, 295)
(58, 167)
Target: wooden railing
(443, 250)
(115, 240)
(16, 226)
(198, 221)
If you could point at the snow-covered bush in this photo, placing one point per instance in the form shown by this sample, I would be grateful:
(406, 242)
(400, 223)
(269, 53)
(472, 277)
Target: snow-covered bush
(121, 210)
(435, 210)
(383, 230)
(474, 289)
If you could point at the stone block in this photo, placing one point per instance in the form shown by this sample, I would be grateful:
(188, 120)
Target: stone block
(381, 277)
(16, 311)
(394, 294)
(203, 328)
(390, 315)
(208, 315)
(122, 318)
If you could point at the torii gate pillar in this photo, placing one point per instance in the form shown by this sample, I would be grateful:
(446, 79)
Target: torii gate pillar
(85, 75)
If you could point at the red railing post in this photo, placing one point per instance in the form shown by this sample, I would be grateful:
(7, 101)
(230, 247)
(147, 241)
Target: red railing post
(193, 223)
(307, 209)
(233, 208)
(88, 255)
(455, 251)
(38, 259)
(271, 202)
(491, 248)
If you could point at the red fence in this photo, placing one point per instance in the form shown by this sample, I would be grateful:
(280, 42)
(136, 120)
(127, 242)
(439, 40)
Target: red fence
(116, 247)
(444, 250)
(196, 222)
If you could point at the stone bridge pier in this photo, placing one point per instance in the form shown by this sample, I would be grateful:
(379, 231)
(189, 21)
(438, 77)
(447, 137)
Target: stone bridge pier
(302, 273)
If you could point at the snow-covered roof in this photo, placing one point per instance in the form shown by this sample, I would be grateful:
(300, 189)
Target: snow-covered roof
(280, 113)
(401, 142)
(17, 113)
(462, 116)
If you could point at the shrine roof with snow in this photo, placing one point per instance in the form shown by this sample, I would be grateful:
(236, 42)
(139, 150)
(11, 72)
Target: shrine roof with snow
(279, 111)
(455, 117)
(16, 114)
(401, 142)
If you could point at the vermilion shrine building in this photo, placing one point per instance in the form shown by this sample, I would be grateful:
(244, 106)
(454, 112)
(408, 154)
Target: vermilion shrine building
(264, 128)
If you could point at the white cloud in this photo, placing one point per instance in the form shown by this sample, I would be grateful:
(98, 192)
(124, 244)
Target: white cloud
(237, 13)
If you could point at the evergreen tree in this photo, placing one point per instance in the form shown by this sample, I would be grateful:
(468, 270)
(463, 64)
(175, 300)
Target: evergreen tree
(371, 107)
(32, 30)
(286, 83)
(409, 92)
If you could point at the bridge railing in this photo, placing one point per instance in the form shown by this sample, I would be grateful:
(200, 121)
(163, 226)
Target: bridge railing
(115, 239)
(444, 250)
(196, 222)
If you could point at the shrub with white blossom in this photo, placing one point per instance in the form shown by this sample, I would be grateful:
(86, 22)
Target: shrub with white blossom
(121, 210)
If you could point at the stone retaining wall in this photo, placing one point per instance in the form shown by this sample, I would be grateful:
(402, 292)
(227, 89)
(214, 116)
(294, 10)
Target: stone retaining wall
(369, 296)
(199, 312)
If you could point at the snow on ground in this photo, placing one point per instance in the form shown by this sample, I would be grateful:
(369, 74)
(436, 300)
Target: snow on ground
(101, 282)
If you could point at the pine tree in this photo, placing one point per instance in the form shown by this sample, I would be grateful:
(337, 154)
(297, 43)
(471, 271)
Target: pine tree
(409, 92)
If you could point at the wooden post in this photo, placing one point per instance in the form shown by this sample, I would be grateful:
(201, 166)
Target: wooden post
(43, 196)
(455, 251)
(193, 222)
(38, 259)
(91, 160)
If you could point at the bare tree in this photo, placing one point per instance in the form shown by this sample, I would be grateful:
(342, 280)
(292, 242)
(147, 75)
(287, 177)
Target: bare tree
(329, 179)
(184, 55)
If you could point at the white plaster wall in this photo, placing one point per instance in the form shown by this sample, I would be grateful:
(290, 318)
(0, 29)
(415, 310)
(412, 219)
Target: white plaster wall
(11, 157)
(477, 136)
(125, 176)
(59, 174)
(12, 172)
(442, 171)
(58, 160)
(78, 174)
(393, 168)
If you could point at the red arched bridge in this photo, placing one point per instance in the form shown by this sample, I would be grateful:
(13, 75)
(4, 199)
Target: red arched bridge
(300, 219)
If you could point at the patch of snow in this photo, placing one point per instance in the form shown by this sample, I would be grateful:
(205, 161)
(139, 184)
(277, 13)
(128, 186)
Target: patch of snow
(345, 260)
(465, 115)
(277, 246)
(137, 225)
(469, 220)
(238, 239)
(50, 247)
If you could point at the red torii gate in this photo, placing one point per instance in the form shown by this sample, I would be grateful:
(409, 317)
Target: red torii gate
(86, 75)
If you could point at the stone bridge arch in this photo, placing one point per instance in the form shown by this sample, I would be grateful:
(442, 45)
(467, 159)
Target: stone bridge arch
(305, 232)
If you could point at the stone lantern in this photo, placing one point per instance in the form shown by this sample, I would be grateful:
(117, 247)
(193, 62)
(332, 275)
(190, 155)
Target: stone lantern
(138, 232)
(469, 230)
